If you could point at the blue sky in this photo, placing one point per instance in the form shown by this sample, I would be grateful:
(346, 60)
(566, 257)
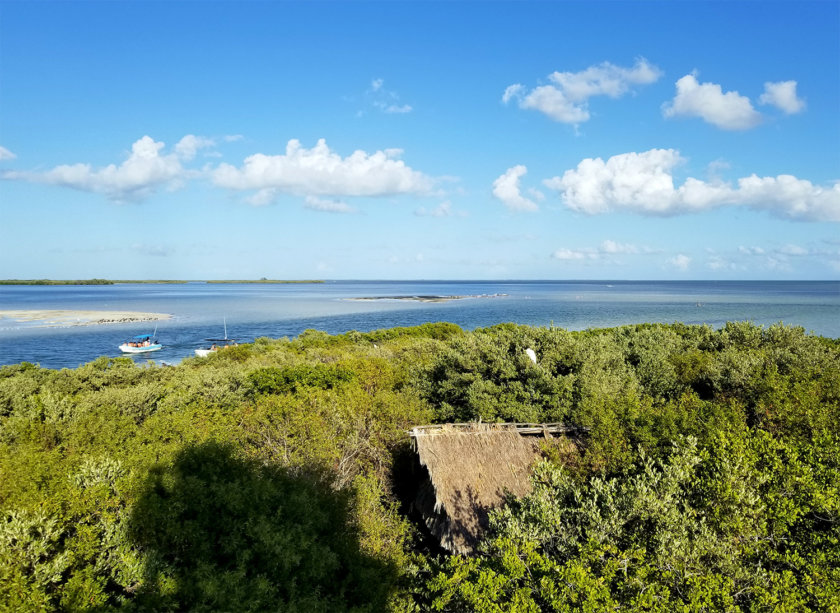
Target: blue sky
(413, 140)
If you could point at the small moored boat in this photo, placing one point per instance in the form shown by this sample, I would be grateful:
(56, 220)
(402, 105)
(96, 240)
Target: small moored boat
(217, 343)
(142, 343)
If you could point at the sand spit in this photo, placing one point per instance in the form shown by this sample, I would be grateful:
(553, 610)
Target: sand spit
(62, 318)
(427, 298)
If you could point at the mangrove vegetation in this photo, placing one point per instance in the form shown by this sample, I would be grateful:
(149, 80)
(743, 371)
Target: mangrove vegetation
(271, 476)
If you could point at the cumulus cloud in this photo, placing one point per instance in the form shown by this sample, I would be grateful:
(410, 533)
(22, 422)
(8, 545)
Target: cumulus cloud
(187, 147)
(146, 170)
(728, 111)
(783, 96)
(320, 171)
(680, 261)
(5, 154)
(506, 188)
(328, 206)
(644, 183)
(567, 96)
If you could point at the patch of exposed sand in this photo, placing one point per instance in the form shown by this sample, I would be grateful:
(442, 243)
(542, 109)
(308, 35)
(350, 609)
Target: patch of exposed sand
(54, 318)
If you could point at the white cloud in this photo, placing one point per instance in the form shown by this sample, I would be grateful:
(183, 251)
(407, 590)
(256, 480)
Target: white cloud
(512, 91)
(782, 95)
(322, 172)
(145, 170)
(506, 188)
(328, 206)
(570, 254)
(552, 102)
(728, 111)
(263, 197)
(386, 100)
(609, 246)
(780, 263)
(794, 250)
(605, 251)
(5, 154)
(536, 194)
(187, 147)
(751, 250)
(644, 183)
(566, 98)
(680, 261)
(394, 108)
(717, 262)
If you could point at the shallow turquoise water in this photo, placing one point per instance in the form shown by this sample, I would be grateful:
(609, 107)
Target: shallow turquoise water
(253, 311)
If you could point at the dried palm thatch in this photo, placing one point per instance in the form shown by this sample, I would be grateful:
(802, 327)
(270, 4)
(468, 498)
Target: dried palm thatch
(470, 468)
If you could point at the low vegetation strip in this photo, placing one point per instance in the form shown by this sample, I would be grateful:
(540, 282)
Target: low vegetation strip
(277, 475)
(124, 281)
(55, 282)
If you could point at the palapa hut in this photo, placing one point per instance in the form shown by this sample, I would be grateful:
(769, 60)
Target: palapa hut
(468, 470)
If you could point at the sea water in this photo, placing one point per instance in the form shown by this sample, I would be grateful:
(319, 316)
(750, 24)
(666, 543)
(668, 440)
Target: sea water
(201, 310)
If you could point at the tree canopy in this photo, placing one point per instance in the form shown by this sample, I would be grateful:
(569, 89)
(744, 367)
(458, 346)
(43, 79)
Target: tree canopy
(266, 477)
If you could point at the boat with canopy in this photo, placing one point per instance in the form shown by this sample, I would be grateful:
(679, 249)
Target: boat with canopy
(142, 343)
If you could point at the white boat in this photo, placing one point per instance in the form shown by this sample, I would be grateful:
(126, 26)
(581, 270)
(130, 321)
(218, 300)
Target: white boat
(217, 344)
(142, 343)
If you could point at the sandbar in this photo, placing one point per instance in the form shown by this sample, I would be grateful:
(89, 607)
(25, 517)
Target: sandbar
(423, 298)
(56, 318)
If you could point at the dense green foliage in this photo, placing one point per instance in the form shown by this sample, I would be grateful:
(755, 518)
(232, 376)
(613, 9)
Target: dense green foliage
(263, 477)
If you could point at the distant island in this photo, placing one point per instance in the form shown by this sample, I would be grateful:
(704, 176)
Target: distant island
(269, 281)
(54, 282)
(115, 282)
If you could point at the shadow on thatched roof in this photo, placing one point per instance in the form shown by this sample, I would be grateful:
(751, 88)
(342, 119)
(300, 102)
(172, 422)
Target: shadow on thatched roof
(470, 469)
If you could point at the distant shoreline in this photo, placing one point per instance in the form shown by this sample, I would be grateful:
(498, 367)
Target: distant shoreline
(65, 318)
(118, 282)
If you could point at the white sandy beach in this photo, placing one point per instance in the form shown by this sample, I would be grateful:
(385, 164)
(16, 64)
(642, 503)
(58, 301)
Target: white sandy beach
(53, 318)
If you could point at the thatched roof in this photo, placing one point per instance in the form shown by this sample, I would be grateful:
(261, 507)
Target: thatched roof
(471, 467)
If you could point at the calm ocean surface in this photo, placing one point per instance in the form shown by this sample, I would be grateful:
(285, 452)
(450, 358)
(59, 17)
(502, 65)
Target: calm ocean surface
(253, 310)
